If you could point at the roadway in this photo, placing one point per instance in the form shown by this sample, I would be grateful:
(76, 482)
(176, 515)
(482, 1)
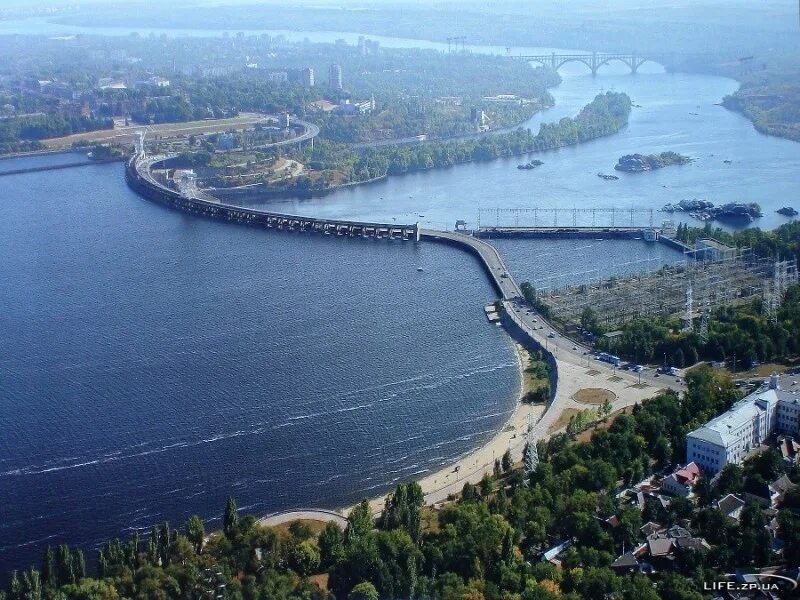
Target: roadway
(167, 131)
(532, 323)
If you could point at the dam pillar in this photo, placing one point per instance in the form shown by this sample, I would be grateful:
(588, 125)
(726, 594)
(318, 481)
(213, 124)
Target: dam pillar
(416, 232)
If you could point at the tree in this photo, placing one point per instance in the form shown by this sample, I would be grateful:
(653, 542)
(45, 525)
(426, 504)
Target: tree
(589, 320)
(305, 558)
(731, 480)
(359, 522)
(331, 544)
(605, 409)
(230, 520)
(65, 572)
(507, 464)
(49, 568)
(196, 532)
(363, 591)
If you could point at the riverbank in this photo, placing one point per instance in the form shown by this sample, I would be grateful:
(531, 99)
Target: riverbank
(470, 468)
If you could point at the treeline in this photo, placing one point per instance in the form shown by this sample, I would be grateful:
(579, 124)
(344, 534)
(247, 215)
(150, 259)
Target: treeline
(605, 115)
(487, 545)
(39, 127)
(743, 332)
(781, 243)
(772, 105)
(216, 97)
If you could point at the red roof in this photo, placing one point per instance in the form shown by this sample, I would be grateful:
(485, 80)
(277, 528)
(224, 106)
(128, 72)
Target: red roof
(688, 474)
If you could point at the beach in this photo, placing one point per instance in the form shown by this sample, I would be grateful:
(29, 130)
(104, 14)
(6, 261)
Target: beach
(572, 377)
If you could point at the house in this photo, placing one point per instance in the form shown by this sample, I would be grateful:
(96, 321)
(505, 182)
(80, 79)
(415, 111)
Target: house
(731, 506)
(692, 543)
(651, 529)
(661, 551)
(789, 449)
(768, 495)
(676, 532)
(682, 481)
(626, 563)
(782, 485)
(551, 554)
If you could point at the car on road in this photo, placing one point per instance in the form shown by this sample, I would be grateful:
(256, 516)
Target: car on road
(552, 334)
(574, 347)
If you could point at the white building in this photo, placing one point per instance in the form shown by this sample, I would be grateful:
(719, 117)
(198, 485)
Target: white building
(729, 437)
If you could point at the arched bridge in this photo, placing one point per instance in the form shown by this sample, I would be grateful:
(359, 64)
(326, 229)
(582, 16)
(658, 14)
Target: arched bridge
(594, 61)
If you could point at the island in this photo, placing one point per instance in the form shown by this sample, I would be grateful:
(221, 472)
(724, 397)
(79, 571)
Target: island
(530, 165)
(636, 163)
(787, 211)
(704, 210)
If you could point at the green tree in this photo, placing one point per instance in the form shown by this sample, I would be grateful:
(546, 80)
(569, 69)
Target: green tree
(506, 462)
(331, 544)
(305, 558)
(230, 520)
(196, 532)
(364, 591)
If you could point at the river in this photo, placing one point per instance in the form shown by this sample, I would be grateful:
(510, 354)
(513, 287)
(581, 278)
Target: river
(153, 363)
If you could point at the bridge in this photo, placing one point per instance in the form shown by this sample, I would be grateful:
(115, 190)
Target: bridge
(594, 61)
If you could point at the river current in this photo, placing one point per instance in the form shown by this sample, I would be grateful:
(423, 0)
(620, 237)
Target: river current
(153, 363)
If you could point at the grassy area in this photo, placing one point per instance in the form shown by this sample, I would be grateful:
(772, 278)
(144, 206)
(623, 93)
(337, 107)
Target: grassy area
(594, 396)
(315, 526)
(563, 419)
(536, 380)
(585, 436)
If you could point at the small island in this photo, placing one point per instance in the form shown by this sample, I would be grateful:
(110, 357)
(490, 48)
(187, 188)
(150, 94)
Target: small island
(636, 163)
(787, 211)
(530, 165)
(704, 210)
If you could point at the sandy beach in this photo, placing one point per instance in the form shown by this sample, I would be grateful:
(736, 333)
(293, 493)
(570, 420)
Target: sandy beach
(572, 376)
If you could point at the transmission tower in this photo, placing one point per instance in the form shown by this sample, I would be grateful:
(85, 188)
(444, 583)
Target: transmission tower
(689, 307)
(531, 453)
(704, 322)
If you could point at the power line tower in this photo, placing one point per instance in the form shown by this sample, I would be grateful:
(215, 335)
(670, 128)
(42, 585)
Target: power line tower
(531, 453)
(687, 325)
(703, 333)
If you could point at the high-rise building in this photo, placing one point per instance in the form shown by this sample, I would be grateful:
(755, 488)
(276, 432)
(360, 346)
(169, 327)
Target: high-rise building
(335, 77)
(307, 77)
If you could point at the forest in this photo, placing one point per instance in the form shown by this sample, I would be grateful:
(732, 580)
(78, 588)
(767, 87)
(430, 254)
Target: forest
(605, 115)
(487, 543)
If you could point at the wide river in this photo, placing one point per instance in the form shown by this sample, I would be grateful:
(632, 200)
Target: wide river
(154, 363)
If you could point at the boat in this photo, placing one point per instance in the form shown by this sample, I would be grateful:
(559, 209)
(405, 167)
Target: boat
(419, 269)
(727, 162)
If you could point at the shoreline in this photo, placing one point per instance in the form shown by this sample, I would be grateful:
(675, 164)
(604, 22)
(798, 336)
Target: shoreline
(471, 467)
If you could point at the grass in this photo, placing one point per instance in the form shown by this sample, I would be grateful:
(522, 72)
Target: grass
(594, 396)
(585, 436)
(315, 526)
(563, 419)
(430, 519)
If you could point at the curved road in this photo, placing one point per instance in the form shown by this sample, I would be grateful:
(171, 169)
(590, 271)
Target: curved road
(532, 323)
